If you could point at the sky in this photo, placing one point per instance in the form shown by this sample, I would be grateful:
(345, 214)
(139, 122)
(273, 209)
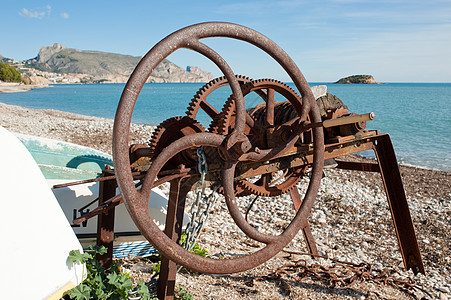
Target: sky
(393, 40)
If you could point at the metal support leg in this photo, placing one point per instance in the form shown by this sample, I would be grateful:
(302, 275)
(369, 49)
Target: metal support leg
(105, 221)
(397, 201)
(173, 229)
(309, 240)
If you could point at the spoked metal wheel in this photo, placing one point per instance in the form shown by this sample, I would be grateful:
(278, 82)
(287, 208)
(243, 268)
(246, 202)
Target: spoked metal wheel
(234, 147)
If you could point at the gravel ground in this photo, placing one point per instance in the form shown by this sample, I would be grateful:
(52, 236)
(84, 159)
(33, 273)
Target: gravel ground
(350, 221)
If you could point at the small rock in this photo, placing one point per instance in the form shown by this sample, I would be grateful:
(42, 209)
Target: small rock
(145, 268)
(418, 294)
(360, 253)
(443, 296)
(319, 91)
(322, 220)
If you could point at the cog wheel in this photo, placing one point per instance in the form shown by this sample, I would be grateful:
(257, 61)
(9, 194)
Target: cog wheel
(199, 100)
(225, 119)
(224, 122)
(257, 123)
(169, 131)
(272, 184)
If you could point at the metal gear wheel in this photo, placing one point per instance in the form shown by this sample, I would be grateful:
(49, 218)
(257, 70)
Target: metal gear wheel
(171, 130)
(199, 100)
(268, 185)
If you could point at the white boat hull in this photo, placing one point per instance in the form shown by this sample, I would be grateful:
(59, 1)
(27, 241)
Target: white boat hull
(63, 162)
(73, 198)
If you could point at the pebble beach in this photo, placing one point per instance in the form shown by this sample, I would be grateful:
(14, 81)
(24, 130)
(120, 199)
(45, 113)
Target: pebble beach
(350, 222)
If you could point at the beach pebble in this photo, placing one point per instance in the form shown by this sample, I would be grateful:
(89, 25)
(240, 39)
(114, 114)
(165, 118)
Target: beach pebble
(443, 297)
(443, 289)
(322, 220)
(360, 254)
(319, 91)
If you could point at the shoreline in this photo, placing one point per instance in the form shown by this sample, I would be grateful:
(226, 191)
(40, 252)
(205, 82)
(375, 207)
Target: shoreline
(350, 221)
(93, 132)
(14, 87)
(57, 134)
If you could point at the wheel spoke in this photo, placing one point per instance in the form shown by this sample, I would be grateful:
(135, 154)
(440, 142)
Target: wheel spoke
(270, 107)
(208, 109)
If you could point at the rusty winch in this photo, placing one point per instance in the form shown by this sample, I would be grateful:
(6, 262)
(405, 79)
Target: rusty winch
(264, 151)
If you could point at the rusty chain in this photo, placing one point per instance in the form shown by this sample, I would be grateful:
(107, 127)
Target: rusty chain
(201, 207)
(345, 274)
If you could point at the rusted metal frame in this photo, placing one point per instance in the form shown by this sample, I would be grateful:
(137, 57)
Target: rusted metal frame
(397, 201)
(116, 200)
(306, 230)
(301, 158)
(341, 121)
(105, 222)
(103, 208)
(112, 177)
(297, 156)
(357, 166)
(173, 229)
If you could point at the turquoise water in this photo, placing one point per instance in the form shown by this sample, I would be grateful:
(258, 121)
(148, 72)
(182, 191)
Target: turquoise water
(416, 115)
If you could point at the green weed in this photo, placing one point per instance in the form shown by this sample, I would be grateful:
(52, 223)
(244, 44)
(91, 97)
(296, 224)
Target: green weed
(101, 283)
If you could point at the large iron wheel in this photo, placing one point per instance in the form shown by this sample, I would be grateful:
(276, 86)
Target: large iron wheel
(236, 142)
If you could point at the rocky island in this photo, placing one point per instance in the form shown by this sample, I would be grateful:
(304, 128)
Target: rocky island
(365, 79)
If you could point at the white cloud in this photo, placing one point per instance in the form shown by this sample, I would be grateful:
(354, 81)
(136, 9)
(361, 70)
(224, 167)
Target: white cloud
(32, 14)
(65, 15)
(35, 14)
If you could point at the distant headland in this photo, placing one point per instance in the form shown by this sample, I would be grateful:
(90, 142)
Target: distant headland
(60, 64)
(359, 79)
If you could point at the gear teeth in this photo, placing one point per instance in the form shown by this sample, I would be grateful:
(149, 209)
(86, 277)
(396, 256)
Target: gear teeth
(155, 139)
(261, 191)
(206, 90)
(221, 123)
(283, 112)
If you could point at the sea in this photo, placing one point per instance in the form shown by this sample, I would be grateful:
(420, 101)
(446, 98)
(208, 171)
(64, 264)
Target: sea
(416, 115)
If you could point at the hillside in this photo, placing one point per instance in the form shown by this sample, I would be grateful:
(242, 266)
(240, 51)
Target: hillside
(107, 67)
(3, 59)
